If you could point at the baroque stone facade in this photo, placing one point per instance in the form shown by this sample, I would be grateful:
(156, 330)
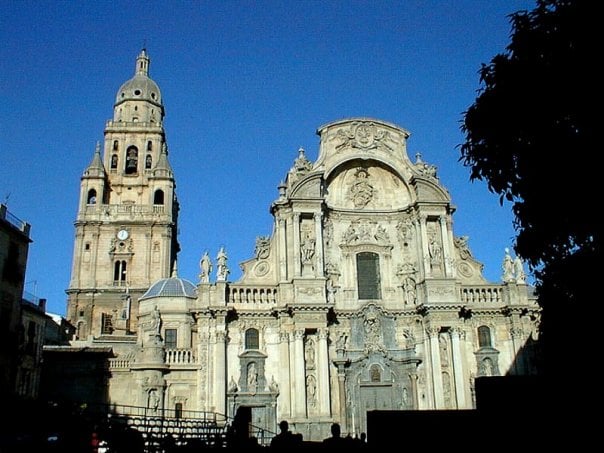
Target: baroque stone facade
(362, 298)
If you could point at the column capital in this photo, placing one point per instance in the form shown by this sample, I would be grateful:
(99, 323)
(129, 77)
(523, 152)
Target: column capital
(284, 337)
(299, 334)
(323, 333)
(432, 331)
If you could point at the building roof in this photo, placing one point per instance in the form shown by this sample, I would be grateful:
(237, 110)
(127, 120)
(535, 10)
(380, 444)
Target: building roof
(171, 287)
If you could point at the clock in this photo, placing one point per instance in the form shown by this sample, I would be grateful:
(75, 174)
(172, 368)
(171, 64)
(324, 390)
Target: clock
(122, 235)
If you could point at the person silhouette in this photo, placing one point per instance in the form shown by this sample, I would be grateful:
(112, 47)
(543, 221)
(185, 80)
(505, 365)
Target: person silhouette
(335, 441)
(285, 439)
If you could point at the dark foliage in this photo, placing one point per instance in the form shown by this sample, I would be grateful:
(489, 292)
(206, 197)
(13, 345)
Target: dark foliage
(531, 135)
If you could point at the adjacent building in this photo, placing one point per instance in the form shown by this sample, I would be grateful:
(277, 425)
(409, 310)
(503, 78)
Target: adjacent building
(363, 297)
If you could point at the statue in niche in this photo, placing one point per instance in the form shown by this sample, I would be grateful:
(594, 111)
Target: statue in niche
(487, 367)
(406, 273)
(222, 271)
(361, 191)
(205, 266)
(447, 390)
(327, 231)
(405, 398)
(373, 332)
(311, 389)
(307, 248)
(310, 354)
(252, 378)
(507, 267)
(444, 351)
(435, 250)
(331, 291)
(153, 401)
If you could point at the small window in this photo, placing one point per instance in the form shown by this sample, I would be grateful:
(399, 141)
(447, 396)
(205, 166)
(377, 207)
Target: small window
(368, 275)
(252, 339)
(178, 410)
(148, 162)
(131, 161)
(158, 197)
(91, 197)
(81, 313)
(106, 324)
(87, 246)
(484, 337)
(374, 373)
(170, 338)
(137, 92)
(115, 145)
(149, 146)
(113, 161)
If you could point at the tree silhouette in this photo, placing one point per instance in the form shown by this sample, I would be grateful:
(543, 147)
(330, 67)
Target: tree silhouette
(530, 134)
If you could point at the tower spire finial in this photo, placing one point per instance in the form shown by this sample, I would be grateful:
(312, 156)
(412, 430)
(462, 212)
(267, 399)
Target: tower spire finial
(142, 63)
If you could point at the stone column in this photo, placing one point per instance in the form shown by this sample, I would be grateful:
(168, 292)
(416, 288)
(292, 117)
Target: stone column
(451, 241)
(447, 258)
(423, 229)
(220, 372)
(519, 366)
(299, 377)
(284, 376)
(323, 386)
(319, 271)
(297, 260)
(414, 393)
(437, 383)
(458, 373)
(282, 249)
(342, 398)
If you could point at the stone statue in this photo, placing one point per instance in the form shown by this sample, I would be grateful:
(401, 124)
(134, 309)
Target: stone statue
(153, 403)
(155, 322)
(222, 271)
(205, 266)
(507, 267)
(519, 271)
(341, 341)
(307, 248)
(435, 250)
(232, 385)
(273, 386)
(252, 378)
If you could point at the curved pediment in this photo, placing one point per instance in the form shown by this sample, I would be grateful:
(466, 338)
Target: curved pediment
(367, 186)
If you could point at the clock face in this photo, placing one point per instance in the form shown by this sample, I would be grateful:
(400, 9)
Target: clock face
(122, 235)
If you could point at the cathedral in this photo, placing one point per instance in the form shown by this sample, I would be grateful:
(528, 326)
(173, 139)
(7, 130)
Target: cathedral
(361, 298)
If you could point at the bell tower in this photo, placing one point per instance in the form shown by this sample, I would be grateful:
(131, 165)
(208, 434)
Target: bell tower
(126, 225)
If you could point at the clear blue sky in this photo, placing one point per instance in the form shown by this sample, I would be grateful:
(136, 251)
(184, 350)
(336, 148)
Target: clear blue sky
(244, 85)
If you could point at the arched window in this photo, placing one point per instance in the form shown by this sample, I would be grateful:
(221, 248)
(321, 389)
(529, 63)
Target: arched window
(91, 199)
(252, 339)
(368, 275)
(484, 337)
(115, 145)
(131, 161)
(158, 197)
(149, 146)
(148, 161)
(119, 272)
(375, 373)
(113, 161)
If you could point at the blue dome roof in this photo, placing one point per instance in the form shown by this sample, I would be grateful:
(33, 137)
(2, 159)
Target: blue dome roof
(171, 287)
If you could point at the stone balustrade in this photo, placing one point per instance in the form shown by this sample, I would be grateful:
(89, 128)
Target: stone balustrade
(246, 294)
(179, 356)
(119, 364)
(481, 294)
